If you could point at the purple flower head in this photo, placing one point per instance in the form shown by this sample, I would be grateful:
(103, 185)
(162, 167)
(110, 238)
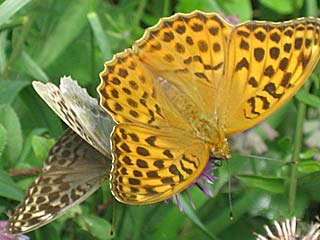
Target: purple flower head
(205, 178)
(7, 236)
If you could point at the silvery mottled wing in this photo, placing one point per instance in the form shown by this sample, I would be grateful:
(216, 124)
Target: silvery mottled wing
(79, 111)
(77, 164)
(71, 173)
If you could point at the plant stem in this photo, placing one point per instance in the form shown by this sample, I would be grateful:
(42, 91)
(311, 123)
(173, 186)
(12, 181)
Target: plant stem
(25, 172)
(166, 8)
(311, 10)
(139, 12)
(297, 144)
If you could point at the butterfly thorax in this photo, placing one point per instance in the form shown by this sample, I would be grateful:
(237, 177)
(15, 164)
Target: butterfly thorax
(213, 134)
(202, 124)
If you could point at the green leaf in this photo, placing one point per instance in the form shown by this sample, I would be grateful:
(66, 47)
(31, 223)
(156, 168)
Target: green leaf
(269, 183)
(241, 8)
(98, 227)
(186, 6)
(11, 122)
(67, 29)
(309, 153)
(221, 220)
(9, 90)
(3, 139)
(309, 166)
(173, 221)
(41, 146)
(48, 232)
(283, 6)
(310, 178)
(27, 148)
(2, 209)
(3, 52)
(8, 188)
(39, 113)
(101, 38)
(32, 68)
(307, 98)
(193, 217)
(9, 7)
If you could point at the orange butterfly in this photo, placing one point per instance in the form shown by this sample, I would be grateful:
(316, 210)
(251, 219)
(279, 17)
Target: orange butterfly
(192, 80)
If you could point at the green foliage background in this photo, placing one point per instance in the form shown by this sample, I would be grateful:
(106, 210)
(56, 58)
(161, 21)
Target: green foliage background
(46, 39)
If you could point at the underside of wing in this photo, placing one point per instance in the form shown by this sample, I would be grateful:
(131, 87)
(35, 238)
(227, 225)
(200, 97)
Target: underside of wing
(153, 164)
(72, 172)
(79, 111)
(267, 64)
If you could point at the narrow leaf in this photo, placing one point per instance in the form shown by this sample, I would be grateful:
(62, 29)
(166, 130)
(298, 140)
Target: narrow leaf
(193, 217)
(11, 122)
(3, 139)
(10, 89)
(3, 52)
(283, 6)
(41, 146)
(309, 153)
(67, 29)
(269, 183)
(308, 98)
(8, 188)
(27, 147)
(309, 166)
(32, 68)
(100, 36)
(9, 7)
(98, 227)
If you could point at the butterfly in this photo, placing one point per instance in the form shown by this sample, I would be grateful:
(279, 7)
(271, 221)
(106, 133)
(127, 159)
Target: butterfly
(78, 163)
(192, 80)
(188, 83)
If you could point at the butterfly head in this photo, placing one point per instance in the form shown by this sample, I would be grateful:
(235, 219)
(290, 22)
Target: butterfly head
(219, 144)
(221, 151)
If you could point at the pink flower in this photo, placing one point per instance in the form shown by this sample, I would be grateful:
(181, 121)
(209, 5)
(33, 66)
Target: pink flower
(289, 230)
(232, 19)
(7, 236)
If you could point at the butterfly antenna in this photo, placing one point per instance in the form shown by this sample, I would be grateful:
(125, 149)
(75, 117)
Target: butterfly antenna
(260, 157)
(229, 194)
(267, 158)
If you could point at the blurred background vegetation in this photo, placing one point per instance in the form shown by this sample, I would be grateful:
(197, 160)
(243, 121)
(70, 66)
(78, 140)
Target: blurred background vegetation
(46, 39)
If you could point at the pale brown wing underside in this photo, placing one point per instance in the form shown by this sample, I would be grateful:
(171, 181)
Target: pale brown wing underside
(71, 173)
(79, 111)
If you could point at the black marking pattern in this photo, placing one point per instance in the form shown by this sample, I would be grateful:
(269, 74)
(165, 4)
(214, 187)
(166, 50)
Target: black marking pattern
(283, 51)
(129, 89)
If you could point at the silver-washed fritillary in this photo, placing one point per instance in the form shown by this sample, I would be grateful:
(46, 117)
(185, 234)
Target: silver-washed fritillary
(192, 80)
